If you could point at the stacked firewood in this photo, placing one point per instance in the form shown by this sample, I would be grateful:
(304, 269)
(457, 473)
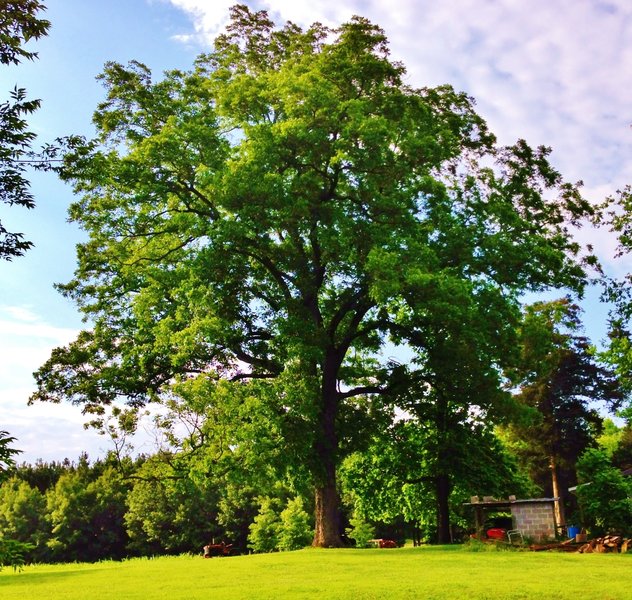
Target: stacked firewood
(609, 543)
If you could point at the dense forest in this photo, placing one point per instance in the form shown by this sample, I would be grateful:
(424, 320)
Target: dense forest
(317, 273)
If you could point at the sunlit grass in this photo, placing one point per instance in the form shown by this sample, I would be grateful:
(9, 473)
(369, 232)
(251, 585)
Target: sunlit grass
(426, 573)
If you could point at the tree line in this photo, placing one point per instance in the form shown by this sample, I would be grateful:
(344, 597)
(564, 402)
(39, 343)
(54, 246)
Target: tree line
(112, 509)
(115, 508)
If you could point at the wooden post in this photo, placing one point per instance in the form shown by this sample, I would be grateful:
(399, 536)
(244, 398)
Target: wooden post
(479, 520)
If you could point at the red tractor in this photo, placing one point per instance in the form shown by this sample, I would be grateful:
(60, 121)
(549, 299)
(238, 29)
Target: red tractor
(221, 549)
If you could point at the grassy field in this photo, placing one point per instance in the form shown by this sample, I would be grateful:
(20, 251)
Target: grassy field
(425, 573)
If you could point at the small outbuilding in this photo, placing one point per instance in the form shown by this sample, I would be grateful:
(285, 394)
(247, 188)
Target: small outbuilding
(534, 518)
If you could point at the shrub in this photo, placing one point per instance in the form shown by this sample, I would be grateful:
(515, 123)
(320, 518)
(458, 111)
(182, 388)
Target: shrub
(361, 532)
(12, 553)
(264, 531)
(23, 517)
(295, 530)
(603, 495)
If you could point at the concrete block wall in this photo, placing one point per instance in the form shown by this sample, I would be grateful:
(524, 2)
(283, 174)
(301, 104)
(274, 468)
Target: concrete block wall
(534, 518)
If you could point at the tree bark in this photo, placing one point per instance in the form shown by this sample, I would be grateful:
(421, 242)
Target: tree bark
(442, 477)
(416, 533)
(560, 518)
(327, 530)
(442, 489)
(326, 514)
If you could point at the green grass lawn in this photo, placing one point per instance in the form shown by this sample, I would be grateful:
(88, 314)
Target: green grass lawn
(425, 573)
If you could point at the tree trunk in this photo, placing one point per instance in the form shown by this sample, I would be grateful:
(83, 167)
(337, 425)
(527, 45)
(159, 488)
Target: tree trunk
(442, 489)
(416, 533)
(327, 530)
(442, 477)
(326, 514)
(560, 519)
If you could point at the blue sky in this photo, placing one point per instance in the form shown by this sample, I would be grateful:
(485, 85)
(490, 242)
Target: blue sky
(556, 72)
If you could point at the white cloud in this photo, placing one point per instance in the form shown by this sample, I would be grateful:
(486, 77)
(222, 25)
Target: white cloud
(56, 431)
(208, 17)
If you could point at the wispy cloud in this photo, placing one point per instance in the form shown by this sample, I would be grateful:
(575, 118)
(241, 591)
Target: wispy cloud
(26, 340)
(43, 430)
(19, 313)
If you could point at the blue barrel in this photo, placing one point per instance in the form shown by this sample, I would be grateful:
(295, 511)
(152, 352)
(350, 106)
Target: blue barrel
(573, 531)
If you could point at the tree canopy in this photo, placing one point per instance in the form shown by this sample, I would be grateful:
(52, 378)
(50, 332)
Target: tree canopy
(271, 219)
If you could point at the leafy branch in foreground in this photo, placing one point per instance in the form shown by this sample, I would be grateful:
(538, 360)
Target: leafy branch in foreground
(19, 23)
(7, 453)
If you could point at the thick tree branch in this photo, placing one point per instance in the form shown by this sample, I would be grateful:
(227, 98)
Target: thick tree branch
(363, 390)
(259, 362)
(279, 276)
(242, 376)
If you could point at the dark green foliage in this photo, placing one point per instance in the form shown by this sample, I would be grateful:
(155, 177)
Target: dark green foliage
(112, 508)
(454, 398)
(604, 495)
(237, 509)
(397, 476)
(168, 512)
(19, 23)
(43, 475)
(87, 516)
(7, 454)
(622, 455)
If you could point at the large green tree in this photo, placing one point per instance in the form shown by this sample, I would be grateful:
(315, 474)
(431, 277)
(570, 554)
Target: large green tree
(86, 513)
(604, 495)
(19, 23)
(454, 390)
(406, 474)
(265, 218)
(167, 511)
